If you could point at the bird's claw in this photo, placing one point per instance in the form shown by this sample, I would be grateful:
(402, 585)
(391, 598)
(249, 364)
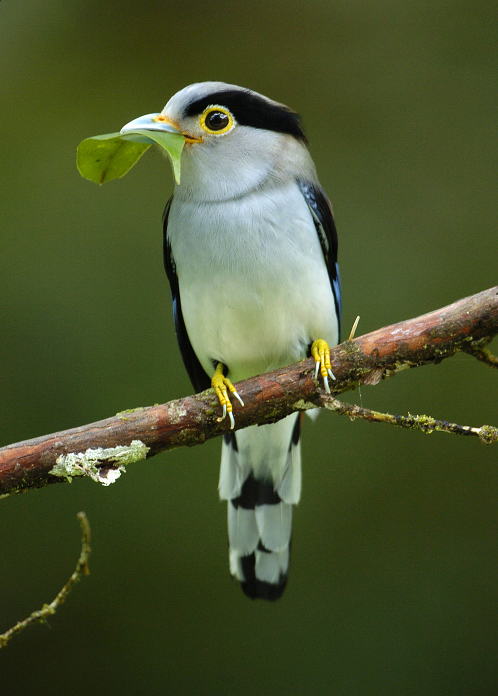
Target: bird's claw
(222, 385)
(321, 352)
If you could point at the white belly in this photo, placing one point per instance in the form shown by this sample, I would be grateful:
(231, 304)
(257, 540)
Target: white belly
(253, 283)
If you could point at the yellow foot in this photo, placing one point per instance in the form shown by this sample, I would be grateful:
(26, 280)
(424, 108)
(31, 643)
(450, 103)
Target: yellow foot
(321, 352)
(222, 386)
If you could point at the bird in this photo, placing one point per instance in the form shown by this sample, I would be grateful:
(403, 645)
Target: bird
(250, 252)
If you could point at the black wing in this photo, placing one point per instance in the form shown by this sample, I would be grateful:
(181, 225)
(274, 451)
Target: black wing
(323, 217)
(200, 380)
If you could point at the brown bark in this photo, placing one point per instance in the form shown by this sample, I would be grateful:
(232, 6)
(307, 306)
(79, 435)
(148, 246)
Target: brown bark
(467, 325)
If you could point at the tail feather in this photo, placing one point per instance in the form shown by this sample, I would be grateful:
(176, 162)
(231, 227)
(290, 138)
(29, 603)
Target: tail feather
(261, 479)
(274, 524)
(243, 533)
(255, 571)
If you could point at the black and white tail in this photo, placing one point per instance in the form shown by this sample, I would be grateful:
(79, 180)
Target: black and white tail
(260, 477)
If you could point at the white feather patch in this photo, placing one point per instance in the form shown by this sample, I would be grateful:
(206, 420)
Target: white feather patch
(313, 413)
(274, 525)
(236, 566)
(243, 534)
(231, 480)
(270, 566)
(289, 489)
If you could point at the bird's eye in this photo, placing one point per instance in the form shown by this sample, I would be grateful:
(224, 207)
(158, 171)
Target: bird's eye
(217, 120)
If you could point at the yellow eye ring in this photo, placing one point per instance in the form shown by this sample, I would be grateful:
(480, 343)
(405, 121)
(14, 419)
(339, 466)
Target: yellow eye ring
(216, 120)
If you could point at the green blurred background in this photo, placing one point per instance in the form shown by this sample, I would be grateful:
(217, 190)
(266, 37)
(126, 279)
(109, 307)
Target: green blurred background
(393, 585)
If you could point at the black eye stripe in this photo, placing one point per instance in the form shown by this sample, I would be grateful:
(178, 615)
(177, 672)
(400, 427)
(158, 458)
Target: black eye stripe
(249, 109)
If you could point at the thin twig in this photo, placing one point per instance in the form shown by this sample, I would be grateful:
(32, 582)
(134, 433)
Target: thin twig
(486, 433)
(352, 333)
(49, 609)
(484, 355)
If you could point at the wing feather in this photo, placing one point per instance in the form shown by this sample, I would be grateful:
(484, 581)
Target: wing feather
(200, 380)
(323, 217)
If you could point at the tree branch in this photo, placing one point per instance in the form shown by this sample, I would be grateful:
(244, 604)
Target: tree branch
(49, 609)
(486, 433)
(483, 355)
(101, 449)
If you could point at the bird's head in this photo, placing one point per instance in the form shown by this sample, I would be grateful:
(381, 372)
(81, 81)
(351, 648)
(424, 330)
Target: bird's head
(234, 138)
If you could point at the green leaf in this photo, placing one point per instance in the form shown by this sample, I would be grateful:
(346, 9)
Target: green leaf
(106, 157)
(173, 144)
